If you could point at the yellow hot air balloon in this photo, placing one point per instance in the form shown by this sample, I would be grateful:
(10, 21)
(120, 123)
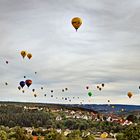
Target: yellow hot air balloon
(129, 94)
(23, 53)
(29, 55)
(76, 22)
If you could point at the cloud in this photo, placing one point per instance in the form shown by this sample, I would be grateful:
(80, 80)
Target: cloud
(104, 50)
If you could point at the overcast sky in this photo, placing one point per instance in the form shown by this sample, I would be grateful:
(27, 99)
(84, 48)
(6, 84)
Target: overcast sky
(106, 49)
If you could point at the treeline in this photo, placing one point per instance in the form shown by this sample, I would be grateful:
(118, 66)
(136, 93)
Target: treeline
(16, 116)
(11, 116)
(17, 133)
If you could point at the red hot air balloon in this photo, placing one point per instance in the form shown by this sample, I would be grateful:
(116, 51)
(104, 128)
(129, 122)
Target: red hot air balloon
(28, 82)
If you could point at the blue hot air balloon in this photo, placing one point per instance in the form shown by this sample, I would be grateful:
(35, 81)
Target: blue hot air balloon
(22, 84)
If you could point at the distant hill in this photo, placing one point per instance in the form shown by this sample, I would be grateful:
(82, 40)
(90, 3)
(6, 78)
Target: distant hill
(97, 108)
(113, 108)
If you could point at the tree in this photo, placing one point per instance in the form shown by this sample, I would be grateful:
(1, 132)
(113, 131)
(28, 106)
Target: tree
(3, 135)
(74, 135)
(132, 132)
(132, 118)
(89, 137)
(120, 136)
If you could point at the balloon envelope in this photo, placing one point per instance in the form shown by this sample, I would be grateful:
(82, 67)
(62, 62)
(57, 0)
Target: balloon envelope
(129, 94)
(28, 82)
(22, 84)
(29, 55)
(23, 53)
(19, 87)
(90, 94)
(76, 22)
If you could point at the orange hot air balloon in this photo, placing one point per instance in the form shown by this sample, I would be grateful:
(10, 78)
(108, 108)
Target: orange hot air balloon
(29, 55)
(23, 53)
(129, 94)
(76, 22)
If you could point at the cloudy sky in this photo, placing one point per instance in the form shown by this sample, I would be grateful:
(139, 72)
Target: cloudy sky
(106, 49)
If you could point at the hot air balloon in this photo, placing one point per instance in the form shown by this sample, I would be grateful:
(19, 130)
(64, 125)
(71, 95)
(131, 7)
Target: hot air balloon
(62, 90)
(129, 94)
(90, 94)
(23, 91)
(51, 90)
(42, 88)
(33, 90)
(22, 84)
(23, 53)
(45, 95)
(28, 82)
(100, 89)
(51, 95)
(65, 98)
(19, 87)
(6, 83)
(103, 85)
(97, 86)
(87, 87)
(7, 62)
(76, 22)
(24, 76)
(66, 88)
(35, 72)
(29, 55)
(35, 95)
